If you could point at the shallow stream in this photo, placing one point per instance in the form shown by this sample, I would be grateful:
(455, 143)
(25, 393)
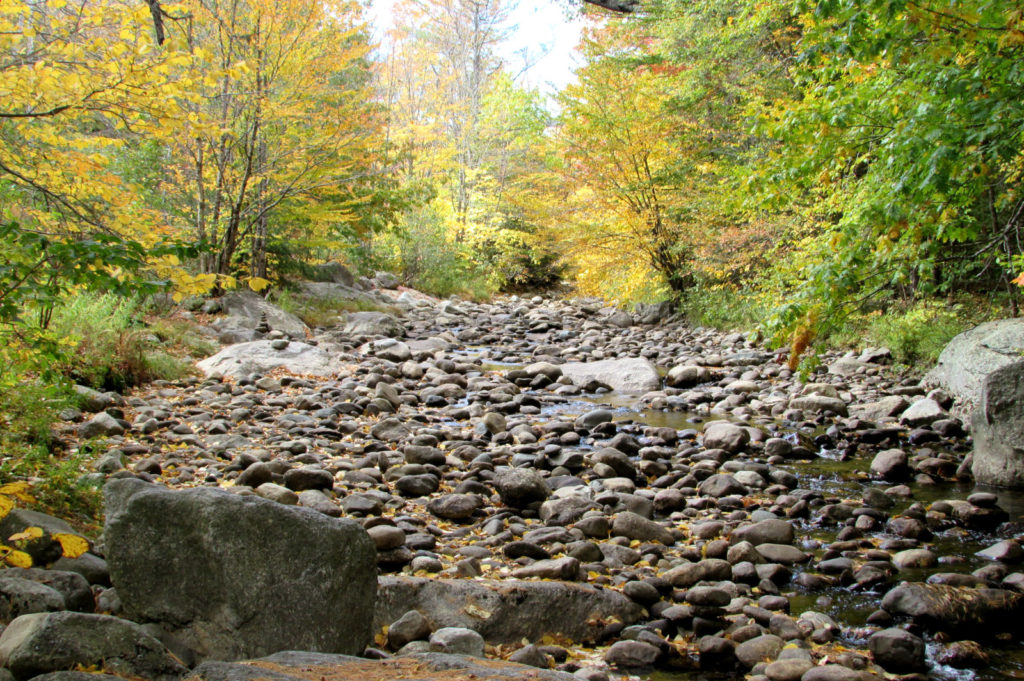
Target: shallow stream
(846, 479)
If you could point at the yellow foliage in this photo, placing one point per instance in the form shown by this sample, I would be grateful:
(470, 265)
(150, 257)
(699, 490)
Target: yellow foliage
(72, 546)
(27, 534)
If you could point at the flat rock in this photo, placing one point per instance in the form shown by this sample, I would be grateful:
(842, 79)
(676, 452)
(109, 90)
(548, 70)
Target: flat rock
(505, 611)
(301, 666)
(260, 357)
(633, 375)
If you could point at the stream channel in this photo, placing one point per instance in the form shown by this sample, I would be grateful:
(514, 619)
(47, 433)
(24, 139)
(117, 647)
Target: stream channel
(838, 478)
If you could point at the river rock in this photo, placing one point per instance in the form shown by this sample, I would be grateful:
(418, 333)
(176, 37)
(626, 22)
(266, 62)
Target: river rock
(457, 641)
(261, 357)
(46, 642)
(635, 375)
(891, 465)
(687, 375)
(372, 324)
(971, 356)
(100, 425)
(633, 526)
(997, 424)
(303, 666)
(19, 596)
(520, 487)
(236, 576)
(764, 648)
(897, 650)
(245, 310)
(631, 654)
(506, 611)
(764, 532)
(975, 612)
(725, 435)
(923, 412)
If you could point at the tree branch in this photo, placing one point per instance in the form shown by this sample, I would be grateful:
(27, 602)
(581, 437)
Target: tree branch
(620, 6)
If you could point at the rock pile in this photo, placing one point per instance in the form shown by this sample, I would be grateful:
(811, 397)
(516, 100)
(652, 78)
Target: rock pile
(474, 455)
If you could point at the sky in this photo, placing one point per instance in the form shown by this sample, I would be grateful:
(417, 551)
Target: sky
(541, 50)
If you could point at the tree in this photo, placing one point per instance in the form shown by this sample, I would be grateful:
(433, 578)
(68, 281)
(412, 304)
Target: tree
(284, 124)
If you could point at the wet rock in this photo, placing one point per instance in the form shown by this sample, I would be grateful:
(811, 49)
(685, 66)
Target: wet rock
(937, 607)
(631, 654)
(891, 465)
(964, 655)
(726, 436)
(897, 650)
(1006, 551)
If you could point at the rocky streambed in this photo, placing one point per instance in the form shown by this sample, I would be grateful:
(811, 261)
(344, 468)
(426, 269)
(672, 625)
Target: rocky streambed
(576, 488)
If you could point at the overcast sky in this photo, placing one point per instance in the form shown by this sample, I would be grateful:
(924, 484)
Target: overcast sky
(541, 49)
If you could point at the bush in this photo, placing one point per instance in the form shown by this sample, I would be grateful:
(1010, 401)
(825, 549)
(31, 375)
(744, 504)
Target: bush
(421, 254)
(918, 334)
(105, 347)
(724, 308)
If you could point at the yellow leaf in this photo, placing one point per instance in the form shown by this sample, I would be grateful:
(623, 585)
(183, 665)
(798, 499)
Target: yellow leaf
(6, 506)
(26, 534)
(257, 284)
(19, 559)
(72, 546)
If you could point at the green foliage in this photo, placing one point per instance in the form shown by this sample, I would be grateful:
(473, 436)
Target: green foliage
(421, 253)
(324, 311)
(182, 337)
(515, 260)
(724, 307)
(105, 345)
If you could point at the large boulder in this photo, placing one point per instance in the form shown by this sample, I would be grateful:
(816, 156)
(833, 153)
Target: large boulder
(263, 356)
(973, 355)
(505, 611)
(372, 324)
(632, 375)
(245, 309)
(47, 642)
(236, 576)
(957, 610)
(333, 272)
(997, 424)
(303, 666)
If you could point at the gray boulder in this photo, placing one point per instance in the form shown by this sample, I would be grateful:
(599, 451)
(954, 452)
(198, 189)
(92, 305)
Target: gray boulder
(372, 324)
(997, 424)
(897, 650)
(301, 666)
(245, 309)
(963, 610)
(457, 641)
(237, 576)
(46, 642)
(333, 272)
(520, 487)
(261, 357)
(633, 375)
(505, 611)
(725, 435)
(973, 355)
